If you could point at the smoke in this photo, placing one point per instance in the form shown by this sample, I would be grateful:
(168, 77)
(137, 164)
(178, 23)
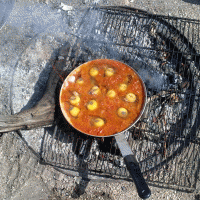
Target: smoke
(154, 80)
(38, 18)
(97, 34)
(5, 10)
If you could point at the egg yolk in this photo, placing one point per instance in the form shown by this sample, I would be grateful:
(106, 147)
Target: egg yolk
(80, 81)
(92, 105)
(98, 122)
(130, 97)
(94, 71)
(74, 111)
(109, 71)
(111, 93)
(95, 90)
(74, 100)
(122, 87)
(122, 112)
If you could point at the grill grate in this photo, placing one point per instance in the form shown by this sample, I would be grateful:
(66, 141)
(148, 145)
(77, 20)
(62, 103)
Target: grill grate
(165, 53)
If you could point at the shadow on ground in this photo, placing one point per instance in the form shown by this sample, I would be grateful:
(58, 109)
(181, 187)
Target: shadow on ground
(197, 2)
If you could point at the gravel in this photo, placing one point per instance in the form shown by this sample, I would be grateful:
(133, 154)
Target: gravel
(21, 174)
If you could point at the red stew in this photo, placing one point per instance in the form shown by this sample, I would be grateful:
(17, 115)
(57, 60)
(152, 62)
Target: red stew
(106, 106)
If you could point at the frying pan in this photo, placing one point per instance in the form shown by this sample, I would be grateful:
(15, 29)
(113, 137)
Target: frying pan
(129, 158)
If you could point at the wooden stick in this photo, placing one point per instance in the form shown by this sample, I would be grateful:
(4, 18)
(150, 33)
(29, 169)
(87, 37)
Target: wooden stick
(42, 113)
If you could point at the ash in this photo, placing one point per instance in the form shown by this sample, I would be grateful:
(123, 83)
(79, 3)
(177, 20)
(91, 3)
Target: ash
(171, 84)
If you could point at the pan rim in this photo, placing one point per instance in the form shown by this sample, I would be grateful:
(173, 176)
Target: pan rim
(77, 69)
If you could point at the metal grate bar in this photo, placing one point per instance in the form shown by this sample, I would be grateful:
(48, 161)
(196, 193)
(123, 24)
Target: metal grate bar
(165, 140)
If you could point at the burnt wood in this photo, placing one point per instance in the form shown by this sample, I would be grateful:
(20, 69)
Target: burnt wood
(42, 114)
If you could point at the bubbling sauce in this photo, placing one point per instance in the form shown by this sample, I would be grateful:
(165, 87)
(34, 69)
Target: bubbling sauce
(102, 97)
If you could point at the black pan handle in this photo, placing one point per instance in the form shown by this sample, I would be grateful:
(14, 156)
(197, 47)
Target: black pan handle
(134, 169)
(133, 166)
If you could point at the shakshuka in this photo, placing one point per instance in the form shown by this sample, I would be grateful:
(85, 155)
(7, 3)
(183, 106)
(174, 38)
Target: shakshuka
(102, 97)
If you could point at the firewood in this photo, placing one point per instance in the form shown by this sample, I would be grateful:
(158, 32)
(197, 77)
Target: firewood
(42, 114)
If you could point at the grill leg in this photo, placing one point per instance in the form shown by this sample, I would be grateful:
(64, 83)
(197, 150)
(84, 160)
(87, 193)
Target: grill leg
(82, 180)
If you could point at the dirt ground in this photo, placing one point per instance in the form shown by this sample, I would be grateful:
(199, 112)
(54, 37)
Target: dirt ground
(23, 177)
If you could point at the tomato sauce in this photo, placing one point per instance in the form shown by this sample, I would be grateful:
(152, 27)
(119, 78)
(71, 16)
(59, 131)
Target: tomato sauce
(107, 106)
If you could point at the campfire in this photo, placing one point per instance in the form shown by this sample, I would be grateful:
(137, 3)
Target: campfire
(163, 140)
